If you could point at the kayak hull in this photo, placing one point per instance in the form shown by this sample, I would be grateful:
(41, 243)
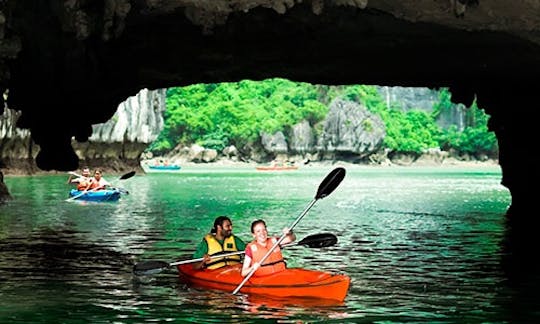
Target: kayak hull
(98, 195)
(264, 168)
(292, 282)
(164, 167)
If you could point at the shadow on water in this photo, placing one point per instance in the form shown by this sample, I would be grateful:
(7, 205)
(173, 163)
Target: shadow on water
(519, 262)
(56, 274)
(53, 253)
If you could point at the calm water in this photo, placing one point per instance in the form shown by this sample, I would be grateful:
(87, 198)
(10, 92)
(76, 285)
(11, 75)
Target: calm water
(421, 245)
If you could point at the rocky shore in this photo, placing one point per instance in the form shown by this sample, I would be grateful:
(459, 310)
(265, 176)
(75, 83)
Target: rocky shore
(117, 167)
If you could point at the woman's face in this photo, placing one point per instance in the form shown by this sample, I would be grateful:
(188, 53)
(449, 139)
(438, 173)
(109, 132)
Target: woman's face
(260, 233)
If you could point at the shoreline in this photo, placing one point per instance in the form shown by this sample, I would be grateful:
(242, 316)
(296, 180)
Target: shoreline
(448, 163)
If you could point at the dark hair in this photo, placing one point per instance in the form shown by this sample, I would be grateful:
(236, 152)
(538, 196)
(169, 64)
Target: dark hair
(219, 222)
(258, 221)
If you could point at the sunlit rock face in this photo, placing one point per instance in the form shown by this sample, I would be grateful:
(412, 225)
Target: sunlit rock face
(69, 64)
(114, 145)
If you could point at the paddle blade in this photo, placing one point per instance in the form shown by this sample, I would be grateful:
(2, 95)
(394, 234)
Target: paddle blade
(319, 240)
(149, 267)
(122, 190)
(127, 175)
(330, 183)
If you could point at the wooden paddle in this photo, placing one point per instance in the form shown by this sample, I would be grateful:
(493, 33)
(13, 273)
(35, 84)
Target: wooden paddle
(123, 177)
(327, 186)
(153, 267)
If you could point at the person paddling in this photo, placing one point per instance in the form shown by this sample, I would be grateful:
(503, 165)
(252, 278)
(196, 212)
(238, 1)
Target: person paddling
(97, 182)
(219, 240)
(259, 247)
(82, 181)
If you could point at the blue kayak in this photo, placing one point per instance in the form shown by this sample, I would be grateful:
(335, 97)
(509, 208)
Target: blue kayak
(98, 195)
(164, 167)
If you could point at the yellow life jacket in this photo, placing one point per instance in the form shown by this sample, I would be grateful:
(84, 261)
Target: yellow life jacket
(229, 245)
(274, 263)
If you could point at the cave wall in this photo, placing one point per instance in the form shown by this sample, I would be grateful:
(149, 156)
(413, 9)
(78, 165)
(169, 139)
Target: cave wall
(77, 59)
(115, 146)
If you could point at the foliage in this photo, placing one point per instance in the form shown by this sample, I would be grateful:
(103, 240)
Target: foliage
(412, 131)
(444, 105)
(475, 139)
(217, 115)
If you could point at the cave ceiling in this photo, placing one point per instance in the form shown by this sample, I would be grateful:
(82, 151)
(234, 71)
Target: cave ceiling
(68, 64)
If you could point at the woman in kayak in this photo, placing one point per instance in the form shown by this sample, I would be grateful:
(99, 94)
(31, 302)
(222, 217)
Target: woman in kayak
(98, 182)
(259, 247)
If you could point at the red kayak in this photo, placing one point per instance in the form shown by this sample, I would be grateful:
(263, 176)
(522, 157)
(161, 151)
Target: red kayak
(277, 168)
(292, 282)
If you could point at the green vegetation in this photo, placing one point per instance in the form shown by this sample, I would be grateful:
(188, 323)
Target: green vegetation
(223, 114)
(218, 115)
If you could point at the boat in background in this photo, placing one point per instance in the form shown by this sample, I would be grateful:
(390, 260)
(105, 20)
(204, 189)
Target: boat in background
(291, 282)
(159, 165)
(165, 167)
(277, 167)
(97, 195)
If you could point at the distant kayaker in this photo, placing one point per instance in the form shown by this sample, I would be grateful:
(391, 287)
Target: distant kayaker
(259, 247)
(219, 240)
(97, 182)
(82, 181)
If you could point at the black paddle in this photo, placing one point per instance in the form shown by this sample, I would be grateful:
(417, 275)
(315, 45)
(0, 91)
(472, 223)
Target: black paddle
(123, 177)
(153, 267)
(327, 186)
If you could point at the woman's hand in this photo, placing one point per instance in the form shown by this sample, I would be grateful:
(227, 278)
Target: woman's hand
(289, 236)
(287, 231)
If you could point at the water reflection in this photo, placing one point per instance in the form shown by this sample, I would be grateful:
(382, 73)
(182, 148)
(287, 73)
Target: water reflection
(214, 305)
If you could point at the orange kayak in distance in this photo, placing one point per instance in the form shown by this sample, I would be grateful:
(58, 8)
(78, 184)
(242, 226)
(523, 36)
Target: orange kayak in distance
(291, 282)
(277, 167)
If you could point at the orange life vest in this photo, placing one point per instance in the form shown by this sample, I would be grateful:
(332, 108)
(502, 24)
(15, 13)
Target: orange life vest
(95, 184)
(274, 263)
(82, 186)
(83, 183)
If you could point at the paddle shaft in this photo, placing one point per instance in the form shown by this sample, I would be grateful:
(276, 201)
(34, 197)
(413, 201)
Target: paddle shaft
(275, 245)
(81, 194)
(329, 184)
(224, 255)
(312, 241)
(211, 257)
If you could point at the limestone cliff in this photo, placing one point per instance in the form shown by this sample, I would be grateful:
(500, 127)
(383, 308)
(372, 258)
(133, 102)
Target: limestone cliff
(115, 145)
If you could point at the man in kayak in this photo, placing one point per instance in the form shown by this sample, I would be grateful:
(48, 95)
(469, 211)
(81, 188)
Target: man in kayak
(259, 247)
(219, 240)
(82, 181)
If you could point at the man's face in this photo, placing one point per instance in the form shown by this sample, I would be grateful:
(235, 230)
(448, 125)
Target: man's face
(226, 229)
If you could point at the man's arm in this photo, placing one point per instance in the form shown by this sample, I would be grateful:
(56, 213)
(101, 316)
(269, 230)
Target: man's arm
(201, 252)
